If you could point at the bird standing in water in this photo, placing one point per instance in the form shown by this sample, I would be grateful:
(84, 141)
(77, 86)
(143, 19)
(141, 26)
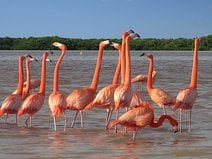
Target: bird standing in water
(187, 96)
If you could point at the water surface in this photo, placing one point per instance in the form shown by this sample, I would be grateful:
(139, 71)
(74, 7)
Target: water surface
(92, 141)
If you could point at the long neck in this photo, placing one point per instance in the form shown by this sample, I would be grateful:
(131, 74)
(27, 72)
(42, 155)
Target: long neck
(193, 82)
(171, 120)
(123, 58)
(118, 69)
(20, 76)
(28, 76)
(43, 75)
(56, 71)
(95, 79)
(128, 62)
(149, 79)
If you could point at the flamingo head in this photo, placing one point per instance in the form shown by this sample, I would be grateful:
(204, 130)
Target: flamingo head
(116, 45)
(60, 45)
(175, 129)
(104, 43)
(154, 73)
(197, 41)
(27, 56)
(149, 56)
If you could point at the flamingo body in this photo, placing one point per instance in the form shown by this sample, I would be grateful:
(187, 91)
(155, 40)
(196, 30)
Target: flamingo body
(185, 98)
(11, 104)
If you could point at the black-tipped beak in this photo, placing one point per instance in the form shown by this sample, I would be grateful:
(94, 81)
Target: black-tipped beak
(50, 52)
(130, 31)
(142, 54)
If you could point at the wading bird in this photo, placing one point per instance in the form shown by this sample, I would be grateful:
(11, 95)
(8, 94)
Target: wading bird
(79, 98)
(187, 96)
(158, 95)
(12, 102)
(141, 116)
(57, 100)
(34, 101)
(105, 97)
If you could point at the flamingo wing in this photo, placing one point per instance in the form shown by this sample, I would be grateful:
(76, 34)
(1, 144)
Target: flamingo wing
(11, 104)
(32, 104)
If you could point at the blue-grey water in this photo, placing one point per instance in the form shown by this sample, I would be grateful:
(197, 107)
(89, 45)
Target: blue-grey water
(92, 141)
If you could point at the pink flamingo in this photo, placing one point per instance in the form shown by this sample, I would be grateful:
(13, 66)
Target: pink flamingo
(27, 87)
(79, 98)
(123, 93)
(12, 102)
(142, 78)
(105, 97)
(34, 102)
(158, 95)
(187, 96)
(57, 100)
(141, 116)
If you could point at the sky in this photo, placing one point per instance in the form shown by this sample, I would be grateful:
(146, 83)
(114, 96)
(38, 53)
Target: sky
(105, 18)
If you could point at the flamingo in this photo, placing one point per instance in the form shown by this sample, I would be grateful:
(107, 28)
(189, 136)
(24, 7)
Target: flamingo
(141, 116)
(12, 102)
(105, 97)
(57, 100)
(34, 102)
(79, 98)
(27, 87)
(187, 96)
(123, 93)
(158, 95)
(142, 78)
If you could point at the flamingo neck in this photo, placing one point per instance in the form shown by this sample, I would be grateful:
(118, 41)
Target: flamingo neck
(128, 62)
(95, 79)
(43, 74)
(171, 120)
(28, 76)
(118, 69)
(56, 71)
(123, 57)
(149, 76)
(20, 75)
(193, 82)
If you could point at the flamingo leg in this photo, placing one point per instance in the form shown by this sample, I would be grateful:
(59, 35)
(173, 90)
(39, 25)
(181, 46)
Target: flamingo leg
(135, 133)
(16, 118)
(181, 112)
(82, 121)
(26, 121)
(30, 121)
(6, 118)
(65, 124)
(108, 112)
(164, 110)
(73, 122)
(189, 122)
(117, 114)
(109, 117)
(55, 126)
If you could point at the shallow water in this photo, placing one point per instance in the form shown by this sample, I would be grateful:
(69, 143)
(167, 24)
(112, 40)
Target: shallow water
(92, 141)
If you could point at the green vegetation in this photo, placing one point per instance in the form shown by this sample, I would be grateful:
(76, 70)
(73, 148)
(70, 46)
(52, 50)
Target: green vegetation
(44, 43)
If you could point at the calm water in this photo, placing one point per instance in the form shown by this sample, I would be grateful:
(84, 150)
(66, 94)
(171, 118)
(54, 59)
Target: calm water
(93, 141)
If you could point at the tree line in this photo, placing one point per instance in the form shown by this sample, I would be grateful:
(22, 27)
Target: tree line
(44, 43)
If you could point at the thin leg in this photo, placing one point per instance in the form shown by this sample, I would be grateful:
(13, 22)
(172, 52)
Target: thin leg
(6, 118)
(189, 122)
(164, 110)
(16, 118)
(181, 113)
(82, 121)
(135, 133)
(73, 122)
(108, 112)
(26, 121)
(117, 114)
(55, 126)
(30, 121)
(65, 124)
